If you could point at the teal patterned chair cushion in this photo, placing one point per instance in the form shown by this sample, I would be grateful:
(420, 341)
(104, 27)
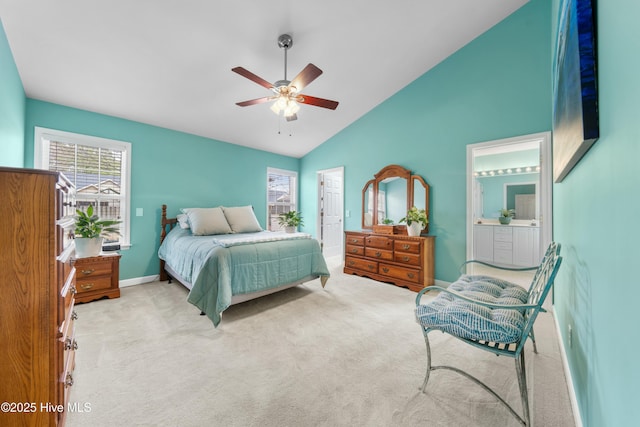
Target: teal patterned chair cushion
(472, 321)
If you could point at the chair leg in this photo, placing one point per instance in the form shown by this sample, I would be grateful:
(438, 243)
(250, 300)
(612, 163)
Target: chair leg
(522, 382)
(426, 377)
(533, 340)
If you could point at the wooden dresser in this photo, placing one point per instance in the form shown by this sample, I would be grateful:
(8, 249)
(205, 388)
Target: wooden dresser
(394, 258)
(36, 307)
(97, 277)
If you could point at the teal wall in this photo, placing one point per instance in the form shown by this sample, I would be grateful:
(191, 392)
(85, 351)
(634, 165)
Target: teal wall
(597, 290)
(497, 86)
(170, 167)
(12, 105)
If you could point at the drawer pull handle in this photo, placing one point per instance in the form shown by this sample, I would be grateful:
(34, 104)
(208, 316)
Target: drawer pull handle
(405, 246)
(73, 290)
(87, 272)
(86, 286)
(354, 240)
(410, 275)
(385, 269)
(378, 254)
(352, 263)
(69, 381)
(371, 267)
(68, 344)
(354, 251)
(74, 315)
(405, 258)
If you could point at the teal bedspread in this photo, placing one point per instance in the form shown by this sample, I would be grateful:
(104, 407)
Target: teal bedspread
(217, 272)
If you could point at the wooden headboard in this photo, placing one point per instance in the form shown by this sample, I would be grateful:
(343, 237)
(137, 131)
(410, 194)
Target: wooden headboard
(166, 225)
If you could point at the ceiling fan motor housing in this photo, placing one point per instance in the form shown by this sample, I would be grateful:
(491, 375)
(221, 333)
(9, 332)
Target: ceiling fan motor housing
(285, 41)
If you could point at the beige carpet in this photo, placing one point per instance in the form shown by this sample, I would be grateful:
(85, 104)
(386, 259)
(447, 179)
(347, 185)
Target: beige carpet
(348, 355)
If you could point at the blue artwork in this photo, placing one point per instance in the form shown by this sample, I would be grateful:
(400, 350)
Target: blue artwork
(575, 107)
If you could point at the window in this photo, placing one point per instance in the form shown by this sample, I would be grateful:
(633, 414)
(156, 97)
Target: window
(99, 168)
(282, 195)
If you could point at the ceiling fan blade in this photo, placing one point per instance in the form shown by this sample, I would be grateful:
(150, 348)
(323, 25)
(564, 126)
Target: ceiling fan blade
(318, 102)
(291, 117)
(306, 76)
(248, 74)
(255, 101)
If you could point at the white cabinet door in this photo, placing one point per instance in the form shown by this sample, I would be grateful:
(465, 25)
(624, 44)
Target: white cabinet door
(483, 243)
(525, 246)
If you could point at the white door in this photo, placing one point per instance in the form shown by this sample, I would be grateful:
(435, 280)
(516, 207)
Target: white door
(330, 211)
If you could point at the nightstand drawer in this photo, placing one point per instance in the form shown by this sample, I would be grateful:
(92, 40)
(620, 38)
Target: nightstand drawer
(93, 283)
(94, 269)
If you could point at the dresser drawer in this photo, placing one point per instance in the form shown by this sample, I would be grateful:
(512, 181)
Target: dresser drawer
(87, 284)
(355, 240)
(361, 264)
(404, 273)
(376, 253)
(407, 246)
(379, 242)
(355, 250)
(407, 258)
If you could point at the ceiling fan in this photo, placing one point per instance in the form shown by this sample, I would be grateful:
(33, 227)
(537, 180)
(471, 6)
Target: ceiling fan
(287, 93)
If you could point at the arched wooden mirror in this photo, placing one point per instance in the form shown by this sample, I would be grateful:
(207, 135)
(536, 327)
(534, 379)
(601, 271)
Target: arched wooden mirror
(392, 192)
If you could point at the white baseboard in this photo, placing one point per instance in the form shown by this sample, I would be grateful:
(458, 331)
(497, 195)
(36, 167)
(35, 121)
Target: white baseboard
(139, 280)
(441, 283)
(567, 375)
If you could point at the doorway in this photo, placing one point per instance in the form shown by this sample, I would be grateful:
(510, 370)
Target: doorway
(493, 164)
(330, 227)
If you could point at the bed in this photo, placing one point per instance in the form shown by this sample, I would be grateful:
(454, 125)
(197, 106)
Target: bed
(223, 257)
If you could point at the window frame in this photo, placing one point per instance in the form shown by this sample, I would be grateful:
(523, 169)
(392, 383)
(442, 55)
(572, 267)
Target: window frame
(42, 136)
(293, 204)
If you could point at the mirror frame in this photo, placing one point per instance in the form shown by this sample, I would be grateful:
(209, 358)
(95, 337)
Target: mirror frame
(393, 171)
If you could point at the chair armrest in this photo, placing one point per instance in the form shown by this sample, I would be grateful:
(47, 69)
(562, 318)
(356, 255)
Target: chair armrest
(475, 301)
(464, 264)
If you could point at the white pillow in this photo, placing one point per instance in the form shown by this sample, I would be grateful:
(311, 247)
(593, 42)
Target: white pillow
(207, 221)
(183, 221)
(242, 219)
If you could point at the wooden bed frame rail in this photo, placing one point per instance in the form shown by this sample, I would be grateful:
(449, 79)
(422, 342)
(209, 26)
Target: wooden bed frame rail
(166, 225)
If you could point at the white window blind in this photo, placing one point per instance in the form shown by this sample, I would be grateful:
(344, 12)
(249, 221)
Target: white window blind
(281, 195)
(99, 169)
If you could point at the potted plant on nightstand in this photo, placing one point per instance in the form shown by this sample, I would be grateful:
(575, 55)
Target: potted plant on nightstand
(89, 231)
(290, 221)
(416, 220)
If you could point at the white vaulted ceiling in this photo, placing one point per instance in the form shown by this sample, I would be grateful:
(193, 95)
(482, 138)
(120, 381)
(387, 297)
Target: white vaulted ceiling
(168, 63)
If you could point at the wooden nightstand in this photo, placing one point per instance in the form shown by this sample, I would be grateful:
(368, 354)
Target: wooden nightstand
(97, 277)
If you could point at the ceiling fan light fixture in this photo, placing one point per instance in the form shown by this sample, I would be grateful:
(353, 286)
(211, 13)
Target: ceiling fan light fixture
(292, 108)
(286, 92)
